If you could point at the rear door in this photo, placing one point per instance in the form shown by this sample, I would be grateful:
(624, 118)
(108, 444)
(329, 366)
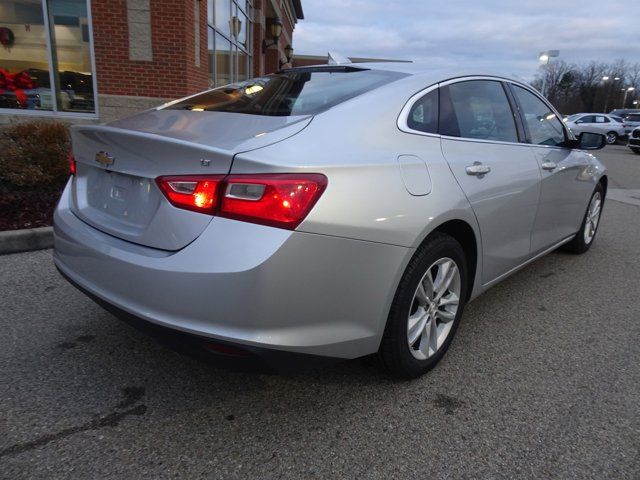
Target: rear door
(585, 123)
(566, 181)
(499, 175)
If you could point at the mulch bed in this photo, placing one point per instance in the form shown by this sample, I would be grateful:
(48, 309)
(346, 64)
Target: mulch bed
(27, 208)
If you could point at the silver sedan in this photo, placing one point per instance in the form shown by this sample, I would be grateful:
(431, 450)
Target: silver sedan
(324, 212)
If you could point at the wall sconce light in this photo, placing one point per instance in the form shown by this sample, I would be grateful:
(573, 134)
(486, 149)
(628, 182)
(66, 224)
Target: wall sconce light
(288, 52)
(275, 30)
(236, 26)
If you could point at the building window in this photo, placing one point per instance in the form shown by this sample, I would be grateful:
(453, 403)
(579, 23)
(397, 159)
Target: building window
(229, 33)
(46, 56)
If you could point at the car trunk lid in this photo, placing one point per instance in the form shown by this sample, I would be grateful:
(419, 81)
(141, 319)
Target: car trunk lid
(114, 188)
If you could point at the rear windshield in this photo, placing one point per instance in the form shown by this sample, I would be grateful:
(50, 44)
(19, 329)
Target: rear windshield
(292, 92)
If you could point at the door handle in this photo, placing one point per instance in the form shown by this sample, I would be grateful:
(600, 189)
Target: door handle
(549, 166)
(478, 169)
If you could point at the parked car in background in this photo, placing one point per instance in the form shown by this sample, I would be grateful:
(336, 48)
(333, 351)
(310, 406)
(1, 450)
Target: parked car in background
(631, 122)
(601, 123)
(325, 211)
(634, 141)
(622, 112)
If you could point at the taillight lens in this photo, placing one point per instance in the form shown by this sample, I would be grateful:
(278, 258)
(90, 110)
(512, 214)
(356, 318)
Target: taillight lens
(72, 164)
(197, 193)
(278, 200)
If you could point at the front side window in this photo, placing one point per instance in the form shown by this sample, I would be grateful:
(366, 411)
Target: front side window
(423, 115)
(587, 119)
(34, 34)
(477, 109)
(544, 127)
(292, 92)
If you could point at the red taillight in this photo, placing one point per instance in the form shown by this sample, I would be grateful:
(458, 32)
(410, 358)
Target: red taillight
(197, 193)
(278, 200)
(72, 164)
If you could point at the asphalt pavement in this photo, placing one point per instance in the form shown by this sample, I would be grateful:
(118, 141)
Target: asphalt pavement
(542, 381)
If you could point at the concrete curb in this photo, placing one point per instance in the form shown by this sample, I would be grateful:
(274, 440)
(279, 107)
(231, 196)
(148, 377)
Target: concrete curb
(14, 241)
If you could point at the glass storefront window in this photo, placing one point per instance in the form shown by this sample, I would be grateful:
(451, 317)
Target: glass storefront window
(24, 66)
(71, 54)
(229, 41)
(223, 60)
(46, 56)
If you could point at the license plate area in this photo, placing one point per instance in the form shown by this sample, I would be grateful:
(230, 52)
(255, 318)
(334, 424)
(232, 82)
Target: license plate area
(127, 198)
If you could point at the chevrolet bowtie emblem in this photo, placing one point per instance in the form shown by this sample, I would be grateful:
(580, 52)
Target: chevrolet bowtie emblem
(105, 159)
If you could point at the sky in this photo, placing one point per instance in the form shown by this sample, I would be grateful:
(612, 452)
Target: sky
(490, 35)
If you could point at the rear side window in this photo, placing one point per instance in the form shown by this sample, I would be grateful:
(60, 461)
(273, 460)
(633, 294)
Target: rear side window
(477, 109)
(543, 126)
(602, 119)
(424, 113)
(293, 92)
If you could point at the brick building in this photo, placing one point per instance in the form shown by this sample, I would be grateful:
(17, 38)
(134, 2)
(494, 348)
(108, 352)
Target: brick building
(89, 60)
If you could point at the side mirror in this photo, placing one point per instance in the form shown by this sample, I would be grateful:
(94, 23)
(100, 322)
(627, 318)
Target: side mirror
(589, 141)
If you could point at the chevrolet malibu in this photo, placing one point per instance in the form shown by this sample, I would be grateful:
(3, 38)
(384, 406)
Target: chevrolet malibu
(326, 212)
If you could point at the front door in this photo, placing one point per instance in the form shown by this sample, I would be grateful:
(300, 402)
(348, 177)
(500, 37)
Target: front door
(499, 175)
(567, 180)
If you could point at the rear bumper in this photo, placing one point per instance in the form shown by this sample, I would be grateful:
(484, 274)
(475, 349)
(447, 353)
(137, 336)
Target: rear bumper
(250, 285)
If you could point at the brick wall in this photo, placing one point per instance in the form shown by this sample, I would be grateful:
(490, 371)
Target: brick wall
(171, 69)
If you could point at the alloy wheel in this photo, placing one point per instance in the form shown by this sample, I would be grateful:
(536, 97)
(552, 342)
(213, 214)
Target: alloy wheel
(593, 218)
(433, 308)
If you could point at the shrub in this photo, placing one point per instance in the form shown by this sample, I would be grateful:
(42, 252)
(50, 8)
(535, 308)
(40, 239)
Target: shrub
(33, 155)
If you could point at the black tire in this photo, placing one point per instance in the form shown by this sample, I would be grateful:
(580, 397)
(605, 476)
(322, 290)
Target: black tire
(394, 350)
(578, 244)
(636, 151)
(612, 138)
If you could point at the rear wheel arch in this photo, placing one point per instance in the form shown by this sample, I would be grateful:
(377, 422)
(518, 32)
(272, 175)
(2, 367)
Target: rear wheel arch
(463, 233)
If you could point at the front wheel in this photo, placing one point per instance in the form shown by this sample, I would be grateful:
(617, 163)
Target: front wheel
(612, 137)
(587, 233)
(426, 309)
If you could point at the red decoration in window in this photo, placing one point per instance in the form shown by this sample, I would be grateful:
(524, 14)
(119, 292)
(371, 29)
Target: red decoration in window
(16, 83)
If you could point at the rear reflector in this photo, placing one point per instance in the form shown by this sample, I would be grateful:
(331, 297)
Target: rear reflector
(278, 200)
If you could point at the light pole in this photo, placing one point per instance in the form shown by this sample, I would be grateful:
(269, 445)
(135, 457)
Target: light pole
(605, 79)
(545, 58)
(626, 92)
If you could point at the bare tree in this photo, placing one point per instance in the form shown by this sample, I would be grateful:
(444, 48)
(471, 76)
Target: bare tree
(591, 87)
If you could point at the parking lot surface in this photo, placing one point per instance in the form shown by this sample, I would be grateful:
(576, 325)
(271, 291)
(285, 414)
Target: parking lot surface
(542, 381)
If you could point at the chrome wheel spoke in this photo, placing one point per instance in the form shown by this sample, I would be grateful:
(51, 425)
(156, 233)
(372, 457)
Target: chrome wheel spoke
(446, 315)
(423, 348)
(445, 276)
(451, 299)
(416, 326)
(421, 296)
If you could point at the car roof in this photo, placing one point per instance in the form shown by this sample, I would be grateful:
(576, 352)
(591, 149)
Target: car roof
(428, 74)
